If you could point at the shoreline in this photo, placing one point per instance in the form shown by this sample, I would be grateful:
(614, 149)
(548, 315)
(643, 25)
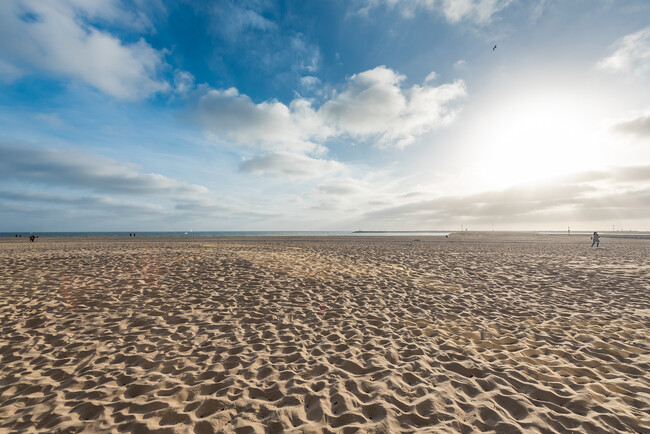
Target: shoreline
(454, 237)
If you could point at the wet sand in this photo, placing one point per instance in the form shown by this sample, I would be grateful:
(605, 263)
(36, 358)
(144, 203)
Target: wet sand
(477, 332)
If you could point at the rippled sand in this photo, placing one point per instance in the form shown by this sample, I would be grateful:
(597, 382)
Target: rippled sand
(479, 332)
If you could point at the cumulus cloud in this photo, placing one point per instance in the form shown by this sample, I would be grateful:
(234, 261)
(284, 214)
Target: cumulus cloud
(83, 171)
(372, 106)
(475, 11)
(57, 38)
(230, 116)
(290, 165)
(631, 56)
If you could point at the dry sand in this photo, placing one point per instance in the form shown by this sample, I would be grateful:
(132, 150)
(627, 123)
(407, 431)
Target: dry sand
(478, 332)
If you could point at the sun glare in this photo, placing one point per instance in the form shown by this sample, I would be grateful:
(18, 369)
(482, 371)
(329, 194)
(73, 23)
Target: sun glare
(534, 140)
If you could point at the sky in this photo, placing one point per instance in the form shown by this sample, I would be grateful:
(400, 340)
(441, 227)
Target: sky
(324, 115)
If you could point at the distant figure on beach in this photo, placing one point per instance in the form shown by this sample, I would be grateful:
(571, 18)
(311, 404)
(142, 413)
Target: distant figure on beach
(31, 239)
(595, 239)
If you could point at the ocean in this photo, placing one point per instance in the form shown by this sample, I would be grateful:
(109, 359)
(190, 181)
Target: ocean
(222, 234)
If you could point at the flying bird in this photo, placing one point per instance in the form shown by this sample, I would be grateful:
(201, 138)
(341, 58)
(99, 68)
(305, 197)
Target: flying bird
(495, 47)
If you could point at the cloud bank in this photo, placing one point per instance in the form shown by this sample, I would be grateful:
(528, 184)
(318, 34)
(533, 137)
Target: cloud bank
(617, 193)
(46, 189)
(84, 171)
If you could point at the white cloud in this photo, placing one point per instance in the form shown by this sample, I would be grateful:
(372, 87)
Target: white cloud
(55, 37)
(287, 164)
(431, 77)
(370, 99)
(372, 106)
(183, 82)
(460, 64)
(632, 55)
(233, 20)
(271, 126)
(309, 82)
(476, 11)
(306, 55)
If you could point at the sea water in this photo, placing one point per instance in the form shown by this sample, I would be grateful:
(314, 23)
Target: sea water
(222, 234)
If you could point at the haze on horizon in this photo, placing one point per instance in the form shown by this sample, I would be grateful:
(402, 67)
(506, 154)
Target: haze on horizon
(371, 114)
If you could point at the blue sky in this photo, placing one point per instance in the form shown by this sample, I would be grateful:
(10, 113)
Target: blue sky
(328, 115)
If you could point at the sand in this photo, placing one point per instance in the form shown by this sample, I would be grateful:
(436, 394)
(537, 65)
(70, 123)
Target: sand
(478, 332)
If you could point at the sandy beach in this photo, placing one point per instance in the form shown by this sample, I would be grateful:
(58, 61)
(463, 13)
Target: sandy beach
(478, 332)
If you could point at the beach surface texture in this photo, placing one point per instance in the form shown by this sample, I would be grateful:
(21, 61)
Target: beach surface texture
(475, 332)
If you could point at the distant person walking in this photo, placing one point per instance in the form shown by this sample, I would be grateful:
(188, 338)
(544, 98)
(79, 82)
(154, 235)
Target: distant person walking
(31, 239)
(595, 239)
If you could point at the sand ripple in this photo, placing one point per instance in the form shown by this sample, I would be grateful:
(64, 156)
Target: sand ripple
(323, 335)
